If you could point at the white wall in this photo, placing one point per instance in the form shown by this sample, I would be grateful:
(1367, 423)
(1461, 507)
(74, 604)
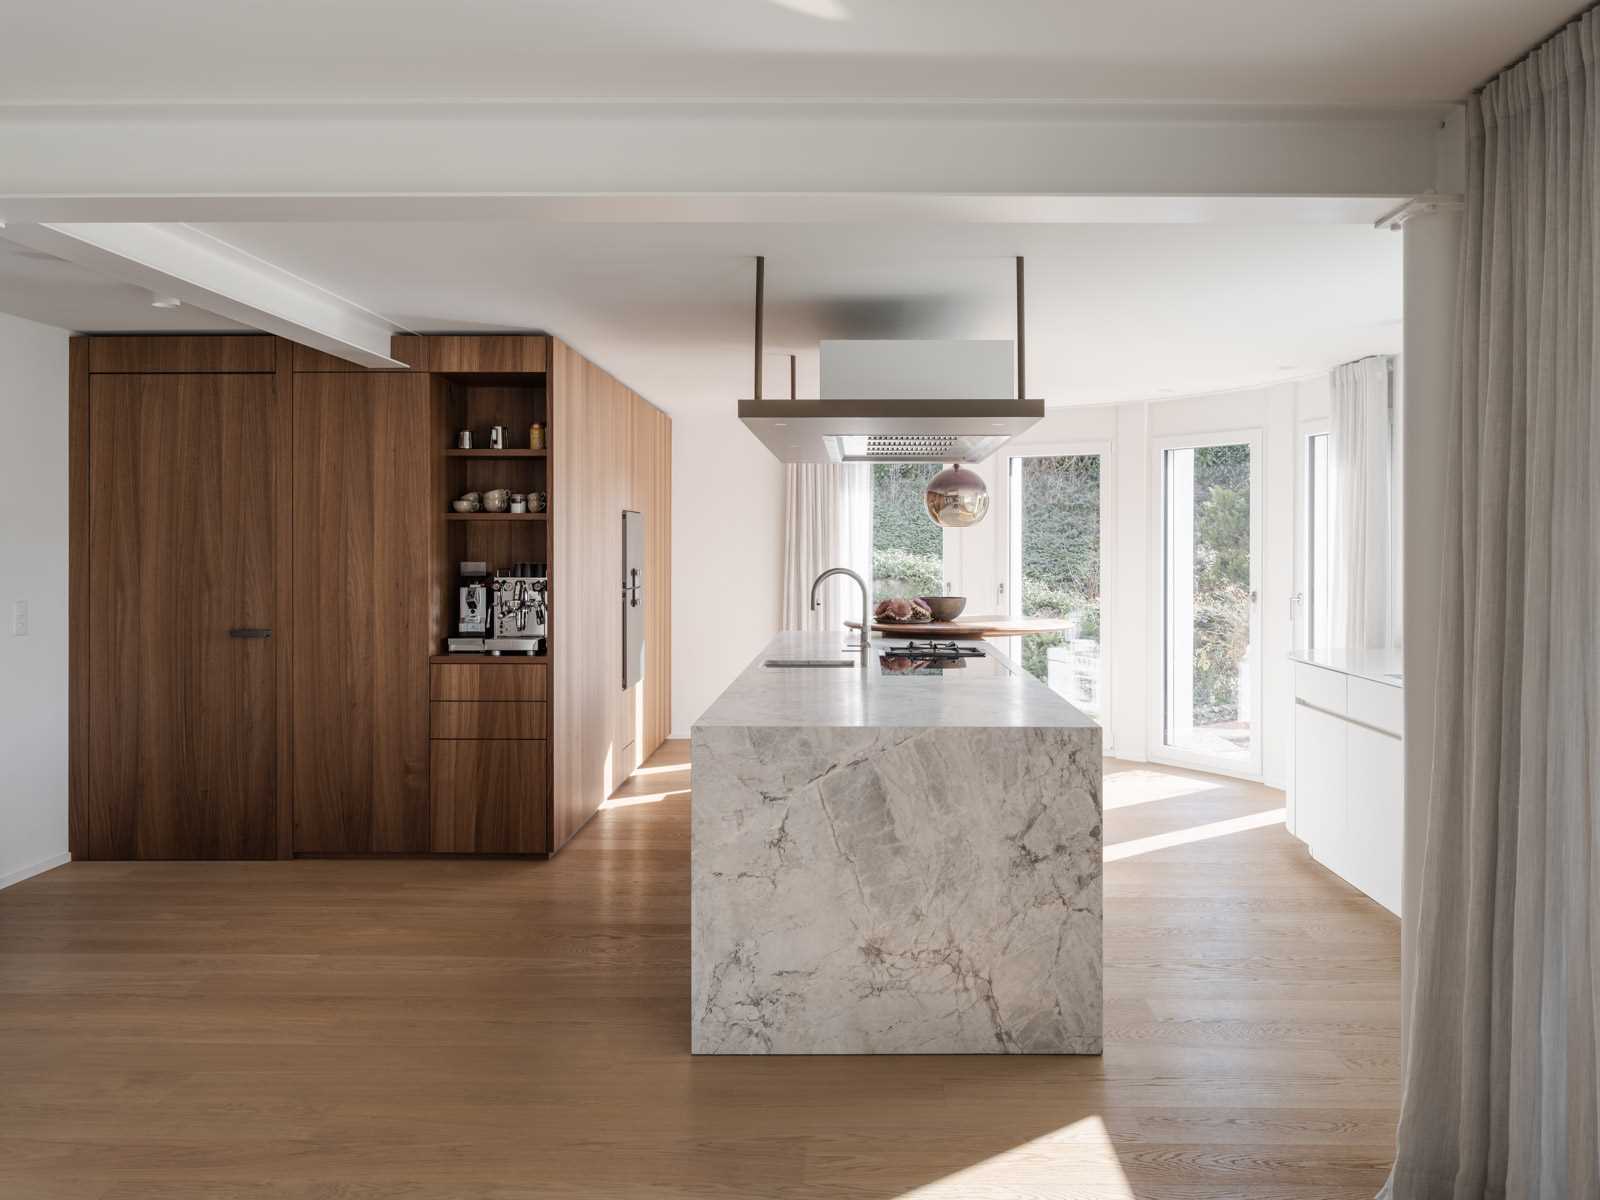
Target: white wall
(33, 568)
(727, 557)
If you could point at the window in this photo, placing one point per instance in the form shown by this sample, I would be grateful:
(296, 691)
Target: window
(1210, 553)
(907, 547)
(1056, 520)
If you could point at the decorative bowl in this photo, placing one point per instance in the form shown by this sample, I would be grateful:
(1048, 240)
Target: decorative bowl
(945, 608)
(464, 505)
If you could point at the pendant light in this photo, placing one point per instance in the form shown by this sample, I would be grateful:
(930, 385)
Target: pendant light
(957, 497)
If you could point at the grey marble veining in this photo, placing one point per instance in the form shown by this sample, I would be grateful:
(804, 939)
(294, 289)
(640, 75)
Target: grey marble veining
(915, 869)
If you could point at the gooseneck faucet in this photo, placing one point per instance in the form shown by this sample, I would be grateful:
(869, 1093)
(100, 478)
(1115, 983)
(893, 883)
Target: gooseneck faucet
(866, 607)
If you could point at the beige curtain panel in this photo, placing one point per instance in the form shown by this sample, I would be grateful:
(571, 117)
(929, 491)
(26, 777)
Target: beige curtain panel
(1500, 1084)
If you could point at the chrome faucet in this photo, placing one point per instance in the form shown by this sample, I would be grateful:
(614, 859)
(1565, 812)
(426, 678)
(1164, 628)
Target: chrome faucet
(866, 608)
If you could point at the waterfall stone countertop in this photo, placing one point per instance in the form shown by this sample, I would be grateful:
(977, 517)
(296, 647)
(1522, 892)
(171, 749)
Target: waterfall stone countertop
(895, 863)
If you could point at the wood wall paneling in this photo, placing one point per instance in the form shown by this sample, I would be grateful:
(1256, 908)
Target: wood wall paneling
(589, 420)
(612, 450)
(489, 797)
(79, 597)
(231, 353)
(180, 546)
(658, 654)
(283, 575)
(362, 615)
(488, 353)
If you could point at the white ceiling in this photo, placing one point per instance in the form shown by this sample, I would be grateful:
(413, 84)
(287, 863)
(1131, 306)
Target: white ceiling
(46, 289)
(1355, 51)
(1115, 312)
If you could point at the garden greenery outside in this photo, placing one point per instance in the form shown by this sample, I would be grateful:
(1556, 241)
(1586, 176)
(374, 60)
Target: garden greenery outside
(1061, 557)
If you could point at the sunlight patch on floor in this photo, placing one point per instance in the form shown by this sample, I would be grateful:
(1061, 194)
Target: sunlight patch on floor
(641, 798)
(1124, 789)
(1196, 833)
(1081, 1152)
(660, 769)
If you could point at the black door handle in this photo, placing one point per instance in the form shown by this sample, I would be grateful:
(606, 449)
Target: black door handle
(249, 633)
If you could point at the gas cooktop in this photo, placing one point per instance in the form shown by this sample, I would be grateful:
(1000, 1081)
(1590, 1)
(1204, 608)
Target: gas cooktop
(927, 657)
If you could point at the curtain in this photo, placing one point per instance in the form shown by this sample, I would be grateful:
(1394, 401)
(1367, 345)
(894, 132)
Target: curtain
(1500, 1085)
(827, 522)
(1361, 447)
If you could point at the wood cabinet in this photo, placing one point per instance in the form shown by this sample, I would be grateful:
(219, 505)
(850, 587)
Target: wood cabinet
(489, 797)
(361, 580)
(174, 707)
(242, 482)
(616, 450)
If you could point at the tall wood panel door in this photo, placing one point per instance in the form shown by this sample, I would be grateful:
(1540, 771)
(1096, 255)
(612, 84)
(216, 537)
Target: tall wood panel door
(362, 509)
(180, 700)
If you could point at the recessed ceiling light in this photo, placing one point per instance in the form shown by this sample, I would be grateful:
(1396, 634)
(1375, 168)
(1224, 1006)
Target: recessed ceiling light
(165, 302)
(780, 424)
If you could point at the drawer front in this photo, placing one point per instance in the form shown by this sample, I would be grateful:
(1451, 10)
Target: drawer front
(489, 797)
(1320, 688)
(1378, 705)
(488, 681)
(494, 719)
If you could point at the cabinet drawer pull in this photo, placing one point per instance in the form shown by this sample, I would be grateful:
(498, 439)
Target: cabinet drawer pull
(249, 633)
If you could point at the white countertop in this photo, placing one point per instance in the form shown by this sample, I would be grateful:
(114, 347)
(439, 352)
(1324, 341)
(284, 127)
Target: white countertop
(991, 692)
(1380, 666)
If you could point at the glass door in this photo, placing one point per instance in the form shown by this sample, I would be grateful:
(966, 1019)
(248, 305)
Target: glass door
(1210, 577)
(1056, 530)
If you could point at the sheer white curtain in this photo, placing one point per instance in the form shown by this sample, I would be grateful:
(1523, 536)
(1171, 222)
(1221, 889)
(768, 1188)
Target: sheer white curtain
(827, 522)
(1501, 1081)
(1361, 447)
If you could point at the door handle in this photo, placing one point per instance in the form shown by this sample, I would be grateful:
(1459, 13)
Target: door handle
(249, 633)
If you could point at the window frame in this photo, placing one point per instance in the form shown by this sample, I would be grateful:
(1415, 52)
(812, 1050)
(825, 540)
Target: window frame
(1008, 532)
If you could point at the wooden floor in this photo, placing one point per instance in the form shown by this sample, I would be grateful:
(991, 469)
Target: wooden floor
(456, 1030)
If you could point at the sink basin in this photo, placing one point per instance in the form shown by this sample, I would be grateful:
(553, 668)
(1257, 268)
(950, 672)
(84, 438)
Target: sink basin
(809, 662)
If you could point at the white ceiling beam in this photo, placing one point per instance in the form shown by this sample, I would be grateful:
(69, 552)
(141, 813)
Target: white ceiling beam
(698, 161)
(197, 269)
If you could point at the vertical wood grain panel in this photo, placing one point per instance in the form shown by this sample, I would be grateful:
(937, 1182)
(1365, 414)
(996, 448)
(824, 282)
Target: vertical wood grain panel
(589, 416)
(79, 592)
(181, 761)
(658, 705)
(184, 354)
(488, 797)
(362, 611)
(283, 560)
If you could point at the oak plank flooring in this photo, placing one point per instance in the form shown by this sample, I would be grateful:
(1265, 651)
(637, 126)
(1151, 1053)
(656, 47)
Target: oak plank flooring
(447, 1029)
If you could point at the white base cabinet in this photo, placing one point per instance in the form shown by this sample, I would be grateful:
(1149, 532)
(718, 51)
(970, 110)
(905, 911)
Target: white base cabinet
(1348, 797)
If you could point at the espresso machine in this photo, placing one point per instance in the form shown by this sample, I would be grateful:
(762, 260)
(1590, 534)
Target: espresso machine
(521, 610)
(472, 610)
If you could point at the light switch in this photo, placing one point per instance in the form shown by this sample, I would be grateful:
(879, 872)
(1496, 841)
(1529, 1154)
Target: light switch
(19, 619)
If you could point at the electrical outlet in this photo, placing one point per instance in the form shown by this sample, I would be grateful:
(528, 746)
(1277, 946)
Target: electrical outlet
(19, 619)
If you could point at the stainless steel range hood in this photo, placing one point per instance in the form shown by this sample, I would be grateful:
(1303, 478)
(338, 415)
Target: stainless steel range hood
(898, 401)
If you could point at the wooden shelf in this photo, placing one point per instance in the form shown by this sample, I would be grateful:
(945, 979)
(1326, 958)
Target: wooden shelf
(496, 453)
(489, 516)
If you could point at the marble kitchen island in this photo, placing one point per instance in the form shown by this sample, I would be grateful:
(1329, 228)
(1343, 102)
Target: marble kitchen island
(895, 863)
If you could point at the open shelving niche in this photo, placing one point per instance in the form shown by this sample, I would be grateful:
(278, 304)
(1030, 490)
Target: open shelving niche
(476, 402)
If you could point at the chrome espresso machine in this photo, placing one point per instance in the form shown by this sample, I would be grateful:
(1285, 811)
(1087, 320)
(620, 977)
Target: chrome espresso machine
(508, 613)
